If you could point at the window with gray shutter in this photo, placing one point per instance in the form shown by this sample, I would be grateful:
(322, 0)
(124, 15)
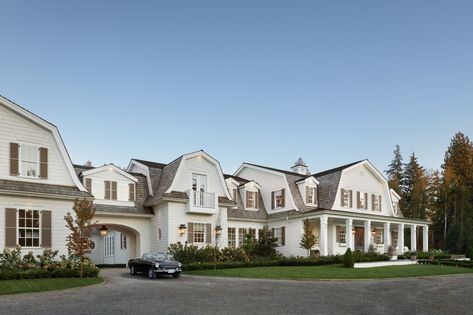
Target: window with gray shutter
(88, 184)
(114, 190)
(190, 232)
(43, 163)
(131, 193)
(208, 233)
(107, 189)
(10, 227)
(14, 159)
(46, 226)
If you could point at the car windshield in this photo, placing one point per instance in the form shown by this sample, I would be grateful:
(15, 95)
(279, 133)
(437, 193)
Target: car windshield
(155, 256)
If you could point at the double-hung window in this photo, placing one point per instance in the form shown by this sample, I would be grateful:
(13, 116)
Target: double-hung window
(251, 199)
(122, 241)
(346, 198)
(376, 201)
(231, 237)
(29, 160)
(341, 234)
(280, 234)
(199, 232)
(28, 228)
(278, 197)
(311, 195)
(241, 236)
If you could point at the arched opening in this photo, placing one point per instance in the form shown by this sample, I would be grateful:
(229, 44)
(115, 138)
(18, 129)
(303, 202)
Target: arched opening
(120, 244)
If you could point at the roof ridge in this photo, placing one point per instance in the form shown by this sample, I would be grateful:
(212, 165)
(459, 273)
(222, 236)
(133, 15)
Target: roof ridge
(335, 169)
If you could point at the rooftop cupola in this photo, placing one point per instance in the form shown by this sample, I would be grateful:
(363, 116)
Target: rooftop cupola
(300, 167)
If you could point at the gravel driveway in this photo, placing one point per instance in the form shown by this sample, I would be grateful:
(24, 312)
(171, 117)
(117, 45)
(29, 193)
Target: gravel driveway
(123, 294)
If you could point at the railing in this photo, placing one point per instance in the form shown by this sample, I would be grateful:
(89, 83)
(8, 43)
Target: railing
(203, 199)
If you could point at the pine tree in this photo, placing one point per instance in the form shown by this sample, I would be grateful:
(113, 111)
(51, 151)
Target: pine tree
(414, 189)
(395, 171)
(458, 190)
(308, 238)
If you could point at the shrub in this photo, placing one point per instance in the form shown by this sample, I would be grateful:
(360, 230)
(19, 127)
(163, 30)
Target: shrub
(266, 244)
(348, 259)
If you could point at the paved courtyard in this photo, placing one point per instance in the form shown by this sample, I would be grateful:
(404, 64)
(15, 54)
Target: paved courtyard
(123, 294)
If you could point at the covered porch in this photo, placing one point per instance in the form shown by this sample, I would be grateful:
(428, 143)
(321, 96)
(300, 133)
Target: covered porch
(339, 231)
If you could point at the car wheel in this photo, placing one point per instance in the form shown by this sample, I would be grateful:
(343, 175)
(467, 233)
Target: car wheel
(176, 275)
(151, 273)
(132, 270)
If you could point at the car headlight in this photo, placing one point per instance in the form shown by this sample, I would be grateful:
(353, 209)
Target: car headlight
(179, 265)
(156, 265)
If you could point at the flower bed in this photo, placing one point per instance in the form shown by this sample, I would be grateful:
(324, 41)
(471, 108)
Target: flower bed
(448, 262)
(15, 266)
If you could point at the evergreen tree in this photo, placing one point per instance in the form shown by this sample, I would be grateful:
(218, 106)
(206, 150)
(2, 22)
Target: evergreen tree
(414, 189)
(395, 172)
(308, 238)
(458, 190)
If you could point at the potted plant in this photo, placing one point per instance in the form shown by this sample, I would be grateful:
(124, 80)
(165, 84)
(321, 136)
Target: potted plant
(413, 256)
(431, 255)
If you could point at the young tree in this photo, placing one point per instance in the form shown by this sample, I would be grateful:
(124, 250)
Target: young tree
(81, 226)
(308, 238)
(266, 244)
(394, 171)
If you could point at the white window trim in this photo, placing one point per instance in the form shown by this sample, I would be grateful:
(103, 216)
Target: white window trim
(275, 199)
(205, 233)
(276, 228)
(110, 247)
(342, 228)
(20, 161)
(378, 208)
(255, 191)
(314, 197)
(18, 228)
(362, 193)
(347, 191)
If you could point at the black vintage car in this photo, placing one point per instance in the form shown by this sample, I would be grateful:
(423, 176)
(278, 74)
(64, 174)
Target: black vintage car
(155, 263)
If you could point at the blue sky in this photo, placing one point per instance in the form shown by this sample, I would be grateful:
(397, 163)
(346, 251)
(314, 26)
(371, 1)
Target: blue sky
(255, 81)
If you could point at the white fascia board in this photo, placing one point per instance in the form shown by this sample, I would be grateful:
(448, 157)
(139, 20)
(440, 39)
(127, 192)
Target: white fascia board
(110, 167)
(252, 184)
(395, 194)
(308, 178)
(55, 132)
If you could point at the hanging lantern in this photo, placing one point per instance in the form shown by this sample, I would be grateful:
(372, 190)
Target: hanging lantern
(103, 231)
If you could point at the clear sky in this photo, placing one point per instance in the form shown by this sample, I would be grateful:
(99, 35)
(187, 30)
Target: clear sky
(247, 81)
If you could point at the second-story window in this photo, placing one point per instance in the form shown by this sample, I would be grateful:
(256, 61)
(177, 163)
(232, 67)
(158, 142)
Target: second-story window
(346, 198)
(361, 200)
(110, 190)
(251, 199)
(29, 160)
(376, 202)
(311, 195)
(278, 199)
(396, 207)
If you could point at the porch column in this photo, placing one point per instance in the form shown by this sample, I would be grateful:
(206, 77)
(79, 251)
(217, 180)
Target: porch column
(425, 240)
(400, 239)
(349, 234)
(367, 235)
(413, 238)
(323, 236)
(387, 236)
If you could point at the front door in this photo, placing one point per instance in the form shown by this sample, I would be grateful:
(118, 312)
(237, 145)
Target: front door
(359, 238)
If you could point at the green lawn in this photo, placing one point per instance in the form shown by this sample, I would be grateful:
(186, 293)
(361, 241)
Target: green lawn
(333, 272)
(47, 284)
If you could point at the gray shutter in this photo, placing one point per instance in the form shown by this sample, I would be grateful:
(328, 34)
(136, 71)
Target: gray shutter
(234, 195)
(256, 200)
(351, 198)
(88, 184)
(272, 200)
(372, 201)
(46, 224)
(190, 232)
(342, 198)
(14, 159)
(366, 201)
(379, 202)
(10, 228)
(338, 233)
(107, 189)
(246, 201)
(283, 236)
(307, 193)
(358, 201)
(131, 188)
(114, 190)
(43, 163)
(208, 233)
(283, 194)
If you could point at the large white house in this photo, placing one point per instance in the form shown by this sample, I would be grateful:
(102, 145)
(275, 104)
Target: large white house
(151, 205)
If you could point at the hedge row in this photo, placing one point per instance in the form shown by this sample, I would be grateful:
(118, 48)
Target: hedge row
(38, 273)
(449, 262)
(326, 260)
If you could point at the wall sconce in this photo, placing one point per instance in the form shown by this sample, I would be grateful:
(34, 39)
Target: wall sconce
(373, 232)
(182, 229)
(353, 231)
(103, 231)
(218, 230)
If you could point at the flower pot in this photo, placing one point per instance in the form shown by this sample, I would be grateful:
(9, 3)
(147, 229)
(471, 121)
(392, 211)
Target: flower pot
(413, 257)
(431, 257)
(394, 257)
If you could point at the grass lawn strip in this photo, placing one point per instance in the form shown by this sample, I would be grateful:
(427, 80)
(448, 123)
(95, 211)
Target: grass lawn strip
(334, 272)
(46, 284)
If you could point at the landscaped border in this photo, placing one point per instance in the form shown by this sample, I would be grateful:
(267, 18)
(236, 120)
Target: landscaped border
(45, 284)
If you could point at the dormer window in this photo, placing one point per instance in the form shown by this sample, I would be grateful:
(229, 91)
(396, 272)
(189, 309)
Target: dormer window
(251, 199)
(396, 207)
(278, 199)
(361, 200)
(29, 160)
(311, 195)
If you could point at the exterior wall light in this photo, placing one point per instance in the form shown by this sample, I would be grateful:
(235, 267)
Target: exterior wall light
(218, 230)
(373, 232)
(182, 229)
(103, 231)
